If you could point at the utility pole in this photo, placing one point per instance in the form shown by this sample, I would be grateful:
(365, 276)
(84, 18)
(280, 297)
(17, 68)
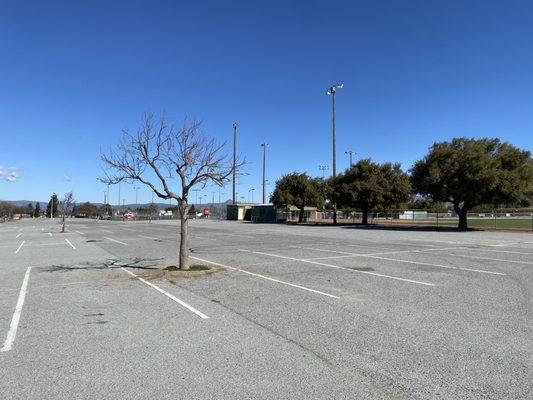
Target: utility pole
(264, 145)
(105, 203)
(323, 168)
(212, 198)
(350, 154)
(331, 92)
(136, 196)
(196, 190)
(234, 160)
(119, 196)
(52, 206)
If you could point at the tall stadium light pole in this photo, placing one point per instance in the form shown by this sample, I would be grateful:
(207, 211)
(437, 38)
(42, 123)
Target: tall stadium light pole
(52, 206)
(137, 196)
(350, 154)
(264, 145)
(331, 92)
(234, 160)
(323, 168)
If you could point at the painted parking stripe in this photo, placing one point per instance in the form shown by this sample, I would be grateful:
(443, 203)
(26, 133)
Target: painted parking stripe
(267, 278)
(491, 259)
(71, 245)
(12, 333)
(80, 233)
(20, 247)
(438, 265)
(114, 240)
(18, 236)
(379, 257)
(149, 237)
(343, 268)
(171, 296)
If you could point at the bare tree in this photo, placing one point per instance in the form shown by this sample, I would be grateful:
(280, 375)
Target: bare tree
(65, 207)
(170, 162)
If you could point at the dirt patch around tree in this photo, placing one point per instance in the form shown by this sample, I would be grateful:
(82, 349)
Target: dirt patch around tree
(174, 274)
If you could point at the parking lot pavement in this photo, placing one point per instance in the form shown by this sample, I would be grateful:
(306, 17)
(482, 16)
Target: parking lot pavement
(297, 312)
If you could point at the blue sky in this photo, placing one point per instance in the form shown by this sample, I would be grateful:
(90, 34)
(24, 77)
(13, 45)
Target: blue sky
(73, 74)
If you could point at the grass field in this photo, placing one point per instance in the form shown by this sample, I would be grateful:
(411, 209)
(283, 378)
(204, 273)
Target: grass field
(522, 224)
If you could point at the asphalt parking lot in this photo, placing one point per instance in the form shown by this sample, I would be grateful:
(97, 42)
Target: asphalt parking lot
(299, 312)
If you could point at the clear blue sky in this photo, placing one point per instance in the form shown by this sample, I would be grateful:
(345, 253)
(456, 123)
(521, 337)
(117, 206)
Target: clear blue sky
(73, 74)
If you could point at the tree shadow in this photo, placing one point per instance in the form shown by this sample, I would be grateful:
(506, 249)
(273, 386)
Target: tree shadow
(399, 228)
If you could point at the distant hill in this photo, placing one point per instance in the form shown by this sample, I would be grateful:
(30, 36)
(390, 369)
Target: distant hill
(23, 203)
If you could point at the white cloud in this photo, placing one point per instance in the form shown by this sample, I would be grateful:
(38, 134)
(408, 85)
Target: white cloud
(10, 174)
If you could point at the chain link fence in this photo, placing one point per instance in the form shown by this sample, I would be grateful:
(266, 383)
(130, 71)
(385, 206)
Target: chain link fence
(494, 219)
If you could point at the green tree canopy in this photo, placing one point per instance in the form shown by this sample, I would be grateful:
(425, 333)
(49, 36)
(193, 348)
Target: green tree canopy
(470, 172)
(298, 190)
(52, 206)
(37, 210)
(367, 185)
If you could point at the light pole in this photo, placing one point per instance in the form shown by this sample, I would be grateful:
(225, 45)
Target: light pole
(196, 190)
(119, 196)
(350, 154)
(331, 92)
(234, 160)
(264, 145)
(252, 191)
(52, 206)
(323, 168)
(136, 196)
(105, 204)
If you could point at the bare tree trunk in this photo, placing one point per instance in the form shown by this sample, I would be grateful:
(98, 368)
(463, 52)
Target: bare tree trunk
(301, 216)
(463, 222)
(184, 236)
(365, 217)
(63, 226)
(462, 214)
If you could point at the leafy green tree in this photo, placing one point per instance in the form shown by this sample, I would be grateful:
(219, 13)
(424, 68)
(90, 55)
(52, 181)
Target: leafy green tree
(51, 208)
(298, 190)
(367, 185)
(37, 210)
(6, 209)
(470, 172)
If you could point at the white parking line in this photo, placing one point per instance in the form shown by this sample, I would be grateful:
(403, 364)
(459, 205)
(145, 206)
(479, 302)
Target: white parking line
(105, 230)
(18, 236)
(50, 233)
(343, 268)
(12, 333)
(117, 241)
(438, 265)
(491, 259)
(267, 278)
(80, 233)
(71, 245)
(149, 237)
(377, 256)
(187, 306)
(20, 247)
